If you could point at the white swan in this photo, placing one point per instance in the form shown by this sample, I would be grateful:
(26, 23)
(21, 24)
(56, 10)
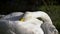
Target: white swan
(31, 25)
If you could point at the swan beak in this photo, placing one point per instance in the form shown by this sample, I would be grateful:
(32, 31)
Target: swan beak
(22, 19)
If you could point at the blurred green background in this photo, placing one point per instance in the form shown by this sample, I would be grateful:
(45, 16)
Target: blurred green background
(52, 7)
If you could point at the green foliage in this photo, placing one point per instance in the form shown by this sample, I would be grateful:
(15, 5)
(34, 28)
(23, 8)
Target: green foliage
(54, 12)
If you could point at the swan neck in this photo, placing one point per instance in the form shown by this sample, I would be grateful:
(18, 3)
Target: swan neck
(47, 20)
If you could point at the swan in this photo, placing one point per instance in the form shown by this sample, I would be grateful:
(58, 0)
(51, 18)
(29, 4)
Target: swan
(31, 24)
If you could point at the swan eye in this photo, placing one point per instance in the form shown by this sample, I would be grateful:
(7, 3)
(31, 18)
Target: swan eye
(40, 19)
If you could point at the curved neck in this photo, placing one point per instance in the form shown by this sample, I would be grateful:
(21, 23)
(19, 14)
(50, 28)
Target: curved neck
(46, 18)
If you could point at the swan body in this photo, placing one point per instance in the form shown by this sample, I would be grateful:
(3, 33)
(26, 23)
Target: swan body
(30, 26)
